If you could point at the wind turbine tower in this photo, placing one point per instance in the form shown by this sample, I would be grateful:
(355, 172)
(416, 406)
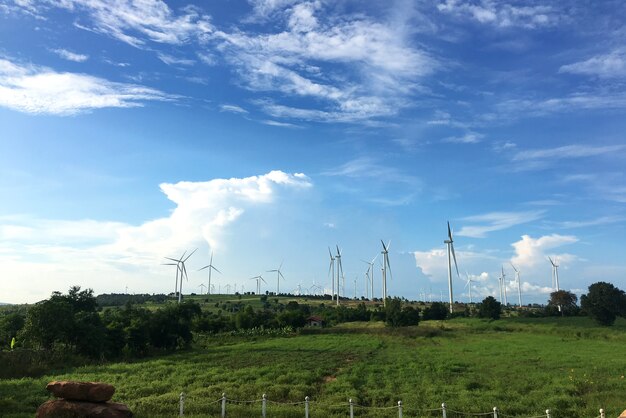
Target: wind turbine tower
(331, 269)
(506, 302)
(386, 265)
(210, 267)
(468, 284)
(339, 271)
(279, 274)
(555, 273)
(450, 244)
(519, 288)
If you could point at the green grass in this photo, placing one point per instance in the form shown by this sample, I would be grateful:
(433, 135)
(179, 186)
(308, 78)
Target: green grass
(523, 366)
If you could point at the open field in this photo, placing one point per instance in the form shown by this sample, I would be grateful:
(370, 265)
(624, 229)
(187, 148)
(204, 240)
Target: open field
(523, 366)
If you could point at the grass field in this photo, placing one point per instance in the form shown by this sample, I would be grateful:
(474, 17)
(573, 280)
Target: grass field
(523, 366)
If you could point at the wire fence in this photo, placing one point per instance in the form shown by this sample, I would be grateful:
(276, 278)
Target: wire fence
(307, 407)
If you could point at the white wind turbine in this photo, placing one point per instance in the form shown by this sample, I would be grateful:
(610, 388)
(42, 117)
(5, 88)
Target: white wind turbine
(506, 301)
(210, 267)
(555, 273)
(370, 275)
(519, 286)
(202, 286)
(331, 269)
(449, 243)
(180, 267)
(258, 279)
(386, 265)
(468, 284)
(279, 275)
(339, 271)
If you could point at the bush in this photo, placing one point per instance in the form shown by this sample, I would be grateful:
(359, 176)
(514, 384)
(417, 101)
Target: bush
(604, 303)
(436, 311)
(489, 308)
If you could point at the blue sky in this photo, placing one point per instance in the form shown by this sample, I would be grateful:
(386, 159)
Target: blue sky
(269, 130)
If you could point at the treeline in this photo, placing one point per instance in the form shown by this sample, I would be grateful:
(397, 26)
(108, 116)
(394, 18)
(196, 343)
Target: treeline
(121, 299)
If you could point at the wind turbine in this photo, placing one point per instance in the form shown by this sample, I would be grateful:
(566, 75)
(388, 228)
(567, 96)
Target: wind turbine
(279, 274)
(339, 271)
(386, 265)
(331, 268)
(202, 286)
(370, 273)
(449, 243)
(519, 289)
(180, 266)
(258, 279)
(210, 267)
(555, 273)
(468, 284)
(506, 301)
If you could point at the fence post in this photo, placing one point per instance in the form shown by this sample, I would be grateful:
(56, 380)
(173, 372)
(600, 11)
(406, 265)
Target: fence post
(547, 413)
(602, 413)
(181, 404)
(223, 405)
(264, 406)
(399, 409)
(351, 409)
(495, 412)
(306, 407)
(443, 410)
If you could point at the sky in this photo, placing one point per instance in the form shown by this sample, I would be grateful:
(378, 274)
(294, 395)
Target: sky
(267, 131)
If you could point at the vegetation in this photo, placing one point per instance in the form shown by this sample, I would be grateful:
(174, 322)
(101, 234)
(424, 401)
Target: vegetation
(604, 303)
(490, 308)
(523, 366)
(562, 302)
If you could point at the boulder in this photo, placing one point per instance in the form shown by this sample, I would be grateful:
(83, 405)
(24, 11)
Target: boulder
(82, 391)
(623, 415)
(61, 408)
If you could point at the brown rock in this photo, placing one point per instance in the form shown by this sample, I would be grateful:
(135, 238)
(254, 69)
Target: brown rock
(60, 408)
(623, 415)
(82, 391)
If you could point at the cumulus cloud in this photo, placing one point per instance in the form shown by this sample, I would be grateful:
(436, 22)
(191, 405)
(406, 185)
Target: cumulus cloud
(34, 89)
(98, 253)
(530, 252)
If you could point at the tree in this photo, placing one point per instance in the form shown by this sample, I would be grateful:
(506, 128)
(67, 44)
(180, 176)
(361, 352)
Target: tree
(604, 303)
(436, 311)
(489, 308)
(562, 303)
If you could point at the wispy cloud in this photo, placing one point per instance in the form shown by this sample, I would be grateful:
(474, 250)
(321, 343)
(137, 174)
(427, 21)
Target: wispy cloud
(375, 67)
(502, 14)
(496, 221)
(567, 151)
(232, 109)
(134, 22)
(171, 60)
(33, 89)
(572, 103)
(70, 56)
(468, 138)
(279, 124)
(366, 167)
(602, 220)
(611, 65)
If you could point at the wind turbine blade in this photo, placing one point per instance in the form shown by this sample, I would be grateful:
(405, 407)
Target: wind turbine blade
(338, 251)
(190, 255)
(384, 248)
(281, 264)
(449, 232)
(172, 259)
(262, 279)
(551, 262)
(389, 267)
(169, 264)
(271, 271)
(330, 253)
(514, 267)
(203, 268)
(454, 256)
(388, 245)
(214, 268)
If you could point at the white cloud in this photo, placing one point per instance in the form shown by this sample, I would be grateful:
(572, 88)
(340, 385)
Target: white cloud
(434, 264)
(496, 221)
(232, 108)
(70, 56)
(611, 65)
(602, 220)
(574, 102)
(171, 60)
(279, 124)
(375, 67)
(568, 151)
(34, 89)
(102, 255)
(366, 167)
(529, 252)
(468, 138)
(135, 21)
(501, 14)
